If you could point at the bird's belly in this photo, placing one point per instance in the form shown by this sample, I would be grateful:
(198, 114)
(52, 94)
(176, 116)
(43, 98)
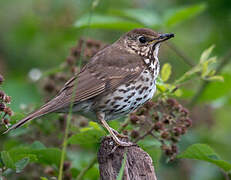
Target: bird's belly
(128, 97)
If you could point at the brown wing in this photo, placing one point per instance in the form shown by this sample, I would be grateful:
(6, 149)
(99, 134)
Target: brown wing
(106, 71)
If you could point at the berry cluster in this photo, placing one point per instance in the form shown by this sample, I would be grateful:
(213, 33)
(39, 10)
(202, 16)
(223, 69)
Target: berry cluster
(5, 111)
(166, 120)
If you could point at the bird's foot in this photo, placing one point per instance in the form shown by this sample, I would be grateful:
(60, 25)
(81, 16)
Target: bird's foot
(118, 134)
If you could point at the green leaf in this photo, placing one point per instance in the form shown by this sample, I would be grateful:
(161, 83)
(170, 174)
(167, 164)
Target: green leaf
(206, 66)
(205, 153)
(217, 89)
(206, 53)
(16, 117)
(37, 145)
(179, 15)
(166, 72)
(7, 160)
(20, 165)
(144, 16)
(43, 178)
(188, 75)
(49, 156)
(120, 175)
(89, 138)
(106, 22)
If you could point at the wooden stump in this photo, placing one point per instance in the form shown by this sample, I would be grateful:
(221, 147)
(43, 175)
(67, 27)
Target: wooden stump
(138, 164)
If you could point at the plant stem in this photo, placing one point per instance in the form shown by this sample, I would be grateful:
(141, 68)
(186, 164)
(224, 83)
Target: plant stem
(145, 134)
(65, 143)
(83, 172)
(180, 53)
(204, 85)
(94, 3)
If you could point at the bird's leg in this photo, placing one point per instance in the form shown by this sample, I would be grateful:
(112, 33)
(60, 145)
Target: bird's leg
(112, 131)
(118, 134)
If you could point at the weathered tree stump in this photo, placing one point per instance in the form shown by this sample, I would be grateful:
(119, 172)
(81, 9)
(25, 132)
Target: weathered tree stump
(138, 164)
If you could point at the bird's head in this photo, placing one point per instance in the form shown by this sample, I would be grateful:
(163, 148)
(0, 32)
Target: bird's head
(143, 41)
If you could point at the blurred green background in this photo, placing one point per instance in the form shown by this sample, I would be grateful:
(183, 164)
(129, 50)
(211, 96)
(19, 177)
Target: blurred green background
(39, 35)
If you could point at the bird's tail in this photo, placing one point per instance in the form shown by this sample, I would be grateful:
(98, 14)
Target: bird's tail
(51, 106)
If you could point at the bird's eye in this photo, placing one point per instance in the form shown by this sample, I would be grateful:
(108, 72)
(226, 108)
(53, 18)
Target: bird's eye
(142, 39)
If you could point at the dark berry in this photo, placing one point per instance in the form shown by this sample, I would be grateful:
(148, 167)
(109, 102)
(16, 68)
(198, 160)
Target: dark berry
(188, 122)
(83, 123)
(174, 148)
(134, 134)
(184, 111)
(66, 165)
(2, 107)
(165, 135)
(172, 102)
(149, 104)
(7, 99)
(1, 79)
(177, 131)
(49, 86)
(134, 118)
(2, 95)
(158, 126)
(70, 60)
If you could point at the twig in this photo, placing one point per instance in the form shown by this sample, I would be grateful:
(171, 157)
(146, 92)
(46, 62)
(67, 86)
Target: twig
(124, 125)
(180, 53)
(145, 134)
(204, 85)
(83, 172)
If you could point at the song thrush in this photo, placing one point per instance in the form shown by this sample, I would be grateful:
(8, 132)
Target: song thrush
(116, 81)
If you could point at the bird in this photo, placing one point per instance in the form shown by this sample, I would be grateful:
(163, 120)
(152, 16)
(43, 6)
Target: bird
(115, 82)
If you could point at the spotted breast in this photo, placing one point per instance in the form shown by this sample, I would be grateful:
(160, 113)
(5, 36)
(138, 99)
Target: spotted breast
(128, 97)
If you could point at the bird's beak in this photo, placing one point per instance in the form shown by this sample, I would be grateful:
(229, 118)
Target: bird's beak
(162, 37)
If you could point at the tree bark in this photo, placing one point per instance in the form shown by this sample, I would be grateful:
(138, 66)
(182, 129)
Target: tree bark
(138, 164)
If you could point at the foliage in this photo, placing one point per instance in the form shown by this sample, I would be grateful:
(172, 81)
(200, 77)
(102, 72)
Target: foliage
(205, 153)
(37, 35)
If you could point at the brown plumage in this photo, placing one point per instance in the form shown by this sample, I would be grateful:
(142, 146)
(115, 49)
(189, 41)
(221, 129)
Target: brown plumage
(112, 71)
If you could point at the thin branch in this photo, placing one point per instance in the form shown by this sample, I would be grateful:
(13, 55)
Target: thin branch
(124, 125)
(83, 172)
(181, 54)
(204, 85)
(145, 134)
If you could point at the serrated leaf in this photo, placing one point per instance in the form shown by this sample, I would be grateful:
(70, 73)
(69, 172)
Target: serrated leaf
(106, 22)
(166, 72)
(206, 53)
(178, 15)
(205, 153)
(7, 160)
